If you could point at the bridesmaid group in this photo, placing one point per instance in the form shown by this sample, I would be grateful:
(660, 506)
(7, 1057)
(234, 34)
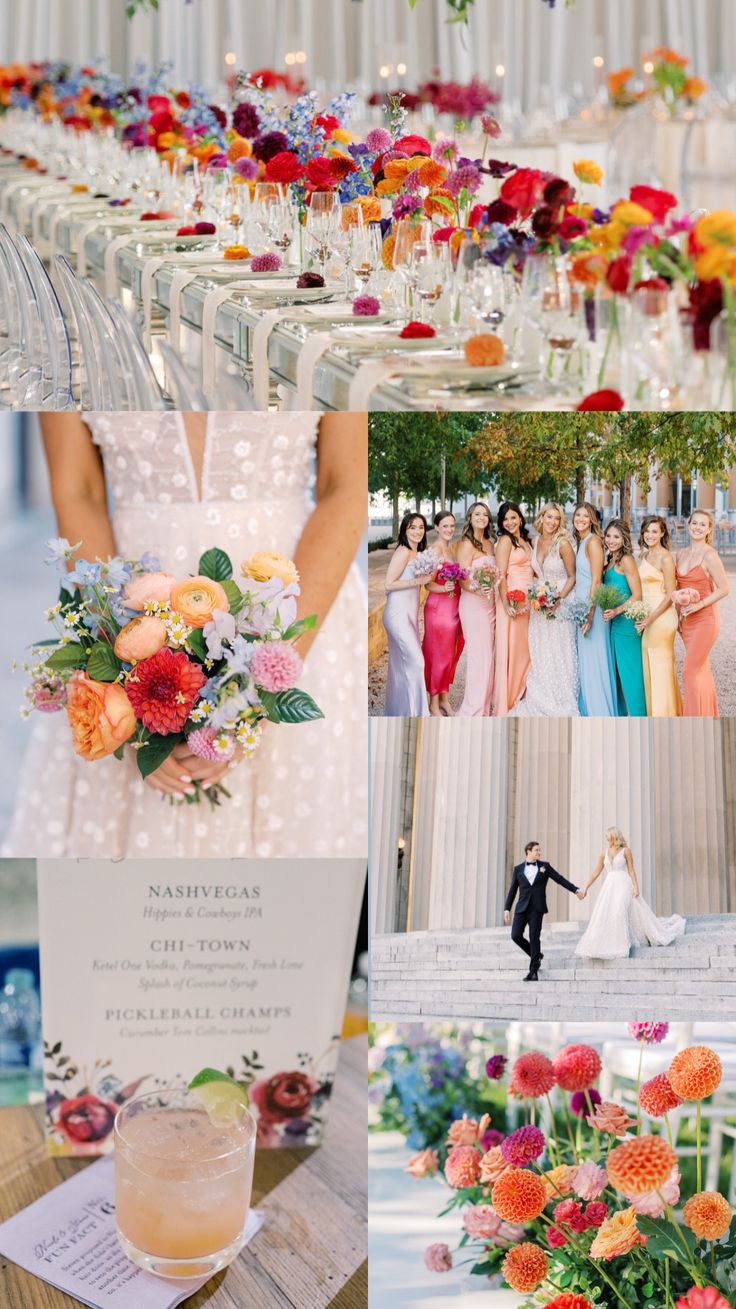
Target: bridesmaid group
(583, 661)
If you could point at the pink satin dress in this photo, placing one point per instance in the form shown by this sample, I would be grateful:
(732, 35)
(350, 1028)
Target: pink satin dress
(512, 638)
(443, 640)
(478, 619)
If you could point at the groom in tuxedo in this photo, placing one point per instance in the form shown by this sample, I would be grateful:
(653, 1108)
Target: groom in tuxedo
(529, 881)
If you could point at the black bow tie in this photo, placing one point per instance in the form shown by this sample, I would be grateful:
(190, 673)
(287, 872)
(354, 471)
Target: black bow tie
(532, 865)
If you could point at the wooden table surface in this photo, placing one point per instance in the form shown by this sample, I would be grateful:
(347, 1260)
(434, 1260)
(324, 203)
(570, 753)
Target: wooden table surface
(311, 1250)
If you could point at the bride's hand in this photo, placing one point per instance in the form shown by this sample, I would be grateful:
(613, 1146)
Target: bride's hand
(581, 894)
(205, 771)
(176, 775)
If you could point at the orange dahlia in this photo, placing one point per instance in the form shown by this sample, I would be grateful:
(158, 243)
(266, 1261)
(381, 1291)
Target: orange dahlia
(569, 1300)
(462, 1166)
(695, 1073)
(525, 1266)
(532, 1076)
(657, 1098)
(576, 1067)
(708, 1215)
(519, 1196)
(164, 689)
(641, 1165)
(617, 1235)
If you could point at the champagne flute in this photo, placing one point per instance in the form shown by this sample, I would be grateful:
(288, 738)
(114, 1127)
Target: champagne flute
(409, 231)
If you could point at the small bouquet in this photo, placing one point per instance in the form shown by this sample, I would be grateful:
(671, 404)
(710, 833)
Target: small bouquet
(577, 612)
(517, 602)
(636, 610)
(450, 576)
(607, 597)
(425, 564)
(686, 596)
(484, 579)
(141, 658)
(544, 598)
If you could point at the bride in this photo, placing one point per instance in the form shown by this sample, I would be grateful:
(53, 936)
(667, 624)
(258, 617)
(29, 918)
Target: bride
(174, 485)
(621, 919)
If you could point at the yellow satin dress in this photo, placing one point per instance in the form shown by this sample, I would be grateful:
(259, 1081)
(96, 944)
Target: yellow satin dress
(658, 649)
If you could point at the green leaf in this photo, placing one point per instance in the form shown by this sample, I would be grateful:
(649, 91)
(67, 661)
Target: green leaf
(65, 597)
(120, 752)
(301, 625)
(103, 664)
(196, 643)
(67, 657)
(289, 706)
(216, 565)
(156, 751)
(235, 597)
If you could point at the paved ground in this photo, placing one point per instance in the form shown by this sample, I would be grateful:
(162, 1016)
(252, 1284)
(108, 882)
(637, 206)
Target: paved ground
(722, 660)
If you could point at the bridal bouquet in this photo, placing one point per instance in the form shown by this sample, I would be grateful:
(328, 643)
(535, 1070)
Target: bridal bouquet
(145, 659)
(544, 598)
(594, 1189)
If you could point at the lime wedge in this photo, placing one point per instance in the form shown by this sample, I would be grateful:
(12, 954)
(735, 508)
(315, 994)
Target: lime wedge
(220, 1095)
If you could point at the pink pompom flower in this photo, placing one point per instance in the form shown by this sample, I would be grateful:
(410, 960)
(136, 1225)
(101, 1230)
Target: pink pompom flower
(275, 665)
(268, 263)
(651, 1033)
(205, 743)
(366, 306)
(523, 1145)
(379, 140)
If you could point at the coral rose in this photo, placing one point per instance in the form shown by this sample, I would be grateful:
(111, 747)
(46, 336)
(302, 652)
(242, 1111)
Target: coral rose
(481, 1222)
(263, 566)
(641, 1165)
(519, 1196)
(611, 1118)
(100, 715)
(149, 588)
(196, 600)
(437, 1258)
(485, 350)
(576, 1067)
(525, 1267)
(617, 1235)
(657, 1098)
(701, 1297)
(462, 1166)
(532, 1076)
(708, 1215)
(695, 1073)
(467, 1131)
(140, 638)
(492, 1166)
(423, 1164)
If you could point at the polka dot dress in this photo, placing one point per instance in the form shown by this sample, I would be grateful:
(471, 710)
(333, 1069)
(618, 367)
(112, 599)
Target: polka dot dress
(304, 793)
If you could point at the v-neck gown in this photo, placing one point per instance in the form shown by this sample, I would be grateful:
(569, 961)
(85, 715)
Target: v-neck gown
(304, 791)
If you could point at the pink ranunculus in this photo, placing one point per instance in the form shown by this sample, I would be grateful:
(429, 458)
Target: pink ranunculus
(590, 1181)
(437, 1258)
(481, 1222)
(148, 588)
(652, 1205)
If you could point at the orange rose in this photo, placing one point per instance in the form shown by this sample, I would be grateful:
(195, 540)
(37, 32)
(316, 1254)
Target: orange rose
(100, 715)
(589, 268)
(197, 598)
(617, 1235)
(485, 350)
(236, 252)
(140, 638)
(263, 566)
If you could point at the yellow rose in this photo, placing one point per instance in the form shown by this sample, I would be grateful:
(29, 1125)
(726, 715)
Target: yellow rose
(587, 170)
(717, 227)
(263, 566)
(197, 598)
(100, 715)
(140, 639)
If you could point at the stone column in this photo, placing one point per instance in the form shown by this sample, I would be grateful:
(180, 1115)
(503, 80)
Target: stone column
(539, 808)
(692, 816)
(706, 494)
(611, 785)
(732, 491)
(458, 873)
(663, 496)
(387, 749)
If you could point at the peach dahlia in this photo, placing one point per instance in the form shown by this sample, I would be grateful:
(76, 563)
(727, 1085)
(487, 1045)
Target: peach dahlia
(695, 1073)
(641, 1165)
(708, 1215)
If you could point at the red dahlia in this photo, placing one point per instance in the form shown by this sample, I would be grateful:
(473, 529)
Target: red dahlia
(164, 689)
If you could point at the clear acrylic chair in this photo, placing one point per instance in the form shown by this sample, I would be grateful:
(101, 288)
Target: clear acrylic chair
(148, 393)
(20, 364)
(708, 164)
(94, 370)
(57, 387)
(185, 394)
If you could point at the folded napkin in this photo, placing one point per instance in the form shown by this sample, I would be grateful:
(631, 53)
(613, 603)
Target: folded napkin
(373, 373)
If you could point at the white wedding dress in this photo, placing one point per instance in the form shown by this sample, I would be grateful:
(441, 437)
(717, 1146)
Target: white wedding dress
(620, 921)
(552, 686)
(304, 793)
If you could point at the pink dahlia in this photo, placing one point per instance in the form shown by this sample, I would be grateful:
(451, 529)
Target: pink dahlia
(268, 263)
(576, 1067)
(657, 1098)
(651, 1033)
(523, 1145)
(202, 743)
(164, 689)
(437, 1258)
(532, 1076)
(275, 665)
(590, 1181)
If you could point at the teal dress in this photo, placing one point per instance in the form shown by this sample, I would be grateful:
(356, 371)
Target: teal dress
(626, 650)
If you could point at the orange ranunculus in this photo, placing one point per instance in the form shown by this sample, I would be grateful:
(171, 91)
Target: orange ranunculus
(236, 252)
(100, 715)
(432, 174)
(441, 201)
(607, 237)
(617, 81)
(197, 598)
(390, 186)
(239, 148)
(559, 1180)
(371, 208)
(718, 262)
(663, 54)
(387, 251)
(589, 268)
(716, 228)
(588, 170)
(399, 168)
(708, 1215)
(264, 565)
(525, 1267)
(140, 638)
(617, 1235)
(485, 350)
(694, 88)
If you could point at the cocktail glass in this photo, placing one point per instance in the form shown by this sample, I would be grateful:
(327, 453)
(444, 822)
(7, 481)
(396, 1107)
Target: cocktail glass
(182, 1183)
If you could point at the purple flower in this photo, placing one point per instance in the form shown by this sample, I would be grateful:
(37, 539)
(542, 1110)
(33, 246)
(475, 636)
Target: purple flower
(217, 161)
(404, 206)
(495, 1067)
(523, 1145)
(650, 1033)
(246, 167)
(464, 178)
(379, 140)
(246, 121)
(445, 152)
(579, 1102)
(268, 263)
(270, 144)
(366, 306)
(491, 1137)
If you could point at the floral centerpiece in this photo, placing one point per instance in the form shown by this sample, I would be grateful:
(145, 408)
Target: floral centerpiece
(147, 661)
(594, 1191)
(672, 80)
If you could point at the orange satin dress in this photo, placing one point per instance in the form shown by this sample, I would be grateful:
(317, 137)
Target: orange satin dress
(512, 638)
(699, 632)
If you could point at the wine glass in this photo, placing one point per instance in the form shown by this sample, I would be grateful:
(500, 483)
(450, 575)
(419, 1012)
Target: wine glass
(366, 251)
(432, 273)
(409, 232)
(554, 305)
(322, 217)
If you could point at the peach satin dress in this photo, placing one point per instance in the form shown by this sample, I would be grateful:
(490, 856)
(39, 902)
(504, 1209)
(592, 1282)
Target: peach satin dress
(699, 632)
(512, 638)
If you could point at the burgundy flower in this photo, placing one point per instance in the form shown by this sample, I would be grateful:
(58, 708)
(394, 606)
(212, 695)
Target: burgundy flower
(85, 1119)
(497, 168)
(706, 303)
(268, 145)
(246, 121)
(544, 223)
(284, 1096)
(571, 228)
(501, 212)
(559, 193)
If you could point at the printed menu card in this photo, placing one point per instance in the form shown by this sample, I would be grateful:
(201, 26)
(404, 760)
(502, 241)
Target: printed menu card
(154, 969)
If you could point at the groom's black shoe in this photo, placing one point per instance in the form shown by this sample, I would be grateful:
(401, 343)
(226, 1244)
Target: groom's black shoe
(532, 976)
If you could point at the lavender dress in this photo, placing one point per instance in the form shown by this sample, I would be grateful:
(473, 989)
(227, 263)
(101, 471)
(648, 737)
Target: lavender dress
(406, 695)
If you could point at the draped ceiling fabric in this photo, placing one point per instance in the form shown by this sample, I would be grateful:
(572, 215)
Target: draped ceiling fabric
(346, 42)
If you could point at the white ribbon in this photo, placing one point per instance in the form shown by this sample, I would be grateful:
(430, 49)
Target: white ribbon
(212, 302)
(81, 237)
(111, 252)
(181, 279)
(259, 353)
(368, 376)
(148, 272)
(7, 196)
(316, 344)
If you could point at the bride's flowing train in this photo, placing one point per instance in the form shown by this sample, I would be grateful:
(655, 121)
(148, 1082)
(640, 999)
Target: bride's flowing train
(620, 920)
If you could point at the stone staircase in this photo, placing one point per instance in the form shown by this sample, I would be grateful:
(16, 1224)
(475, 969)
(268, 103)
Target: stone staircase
(478, 974)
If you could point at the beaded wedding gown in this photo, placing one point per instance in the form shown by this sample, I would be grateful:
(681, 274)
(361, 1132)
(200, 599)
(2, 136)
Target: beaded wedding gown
(305, 791)
(619, 921)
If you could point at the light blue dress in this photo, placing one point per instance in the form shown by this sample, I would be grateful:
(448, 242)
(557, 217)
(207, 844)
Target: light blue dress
(406, 694)
(597, 673)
